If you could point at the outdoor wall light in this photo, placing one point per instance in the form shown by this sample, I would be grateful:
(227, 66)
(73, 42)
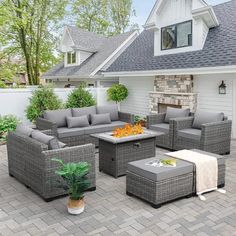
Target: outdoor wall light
(222, 88)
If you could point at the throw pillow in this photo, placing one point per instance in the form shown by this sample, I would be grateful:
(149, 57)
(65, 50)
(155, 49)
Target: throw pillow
(172, 113)
(100, 119)
(51, 141)
(88, 111)
(111, 109)
(202, 117)
(75, 122)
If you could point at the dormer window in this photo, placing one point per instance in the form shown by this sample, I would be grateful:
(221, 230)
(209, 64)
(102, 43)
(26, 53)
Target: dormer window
(71, 58)
(176, 36)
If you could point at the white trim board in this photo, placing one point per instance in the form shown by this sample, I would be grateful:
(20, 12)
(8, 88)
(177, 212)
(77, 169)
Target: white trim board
(189, 71)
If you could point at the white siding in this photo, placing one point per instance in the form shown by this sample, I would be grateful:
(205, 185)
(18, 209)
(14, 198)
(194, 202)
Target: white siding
(138, 99)
(209, 99)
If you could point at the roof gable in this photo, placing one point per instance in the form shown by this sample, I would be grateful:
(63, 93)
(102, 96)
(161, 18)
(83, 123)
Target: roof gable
(219, 48)
(159, 5)
(106, 50)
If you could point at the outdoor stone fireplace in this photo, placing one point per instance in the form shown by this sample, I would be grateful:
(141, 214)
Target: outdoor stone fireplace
(173, 91)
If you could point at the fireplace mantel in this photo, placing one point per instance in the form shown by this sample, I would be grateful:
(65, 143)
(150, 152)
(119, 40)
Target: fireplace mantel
(173, 93)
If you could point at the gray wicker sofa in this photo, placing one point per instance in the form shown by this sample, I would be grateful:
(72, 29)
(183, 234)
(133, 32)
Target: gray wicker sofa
(30, 162)
(210, 132)
(56, 121)
(163, 122)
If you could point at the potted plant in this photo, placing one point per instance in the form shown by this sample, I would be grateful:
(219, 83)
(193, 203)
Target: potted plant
(74, 181)
(140, 121)
(117, 93)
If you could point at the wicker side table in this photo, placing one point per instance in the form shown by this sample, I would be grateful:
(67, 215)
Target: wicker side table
(159, 185)
(116, 153)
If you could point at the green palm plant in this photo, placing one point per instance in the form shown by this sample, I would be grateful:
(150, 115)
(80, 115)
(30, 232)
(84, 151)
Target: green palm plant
(74, 178)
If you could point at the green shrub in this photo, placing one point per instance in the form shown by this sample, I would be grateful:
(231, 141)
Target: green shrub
(2, 84)
(42, 99)
(80, 98)
(117, 93)
(7, 123)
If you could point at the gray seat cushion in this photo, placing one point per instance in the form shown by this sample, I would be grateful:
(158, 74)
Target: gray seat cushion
(24, 130)
(58, 116)
(194, 134)
(104, 128)
(88, 111)
(100, 119)
(159, 173)
(66, 132)
(162, 127)
(172, 113)
(202, 117)
(77, 122)
(112, 109)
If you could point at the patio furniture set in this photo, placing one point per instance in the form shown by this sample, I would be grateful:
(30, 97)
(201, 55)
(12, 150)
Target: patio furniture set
(72, 134)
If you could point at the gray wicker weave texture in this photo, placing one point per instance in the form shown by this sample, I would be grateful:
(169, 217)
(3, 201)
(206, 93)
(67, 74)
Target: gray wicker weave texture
(166, 140)
(160, 192)
(30, 162)
(43, 124)
(215, 137)
(113, 158)
(157, 193)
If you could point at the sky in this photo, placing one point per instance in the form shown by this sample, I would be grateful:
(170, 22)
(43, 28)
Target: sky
(144, 7)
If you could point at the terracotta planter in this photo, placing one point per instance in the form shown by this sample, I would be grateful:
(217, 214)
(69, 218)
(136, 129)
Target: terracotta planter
(75, 207)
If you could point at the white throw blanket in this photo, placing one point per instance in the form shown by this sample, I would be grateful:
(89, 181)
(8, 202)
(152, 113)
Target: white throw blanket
(206, 170)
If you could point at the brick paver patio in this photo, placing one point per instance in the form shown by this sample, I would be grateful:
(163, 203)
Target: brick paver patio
(110, 212)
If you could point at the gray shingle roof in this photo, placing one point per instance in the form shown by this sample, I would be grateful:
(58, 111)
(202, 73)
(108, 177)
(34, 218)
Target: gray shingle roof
(219, 48)
(104, 47)
(84, 39)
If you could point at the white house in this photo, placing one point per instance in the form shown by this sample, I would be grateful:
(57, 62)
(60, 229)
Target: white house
(86, 55)
(185, 54)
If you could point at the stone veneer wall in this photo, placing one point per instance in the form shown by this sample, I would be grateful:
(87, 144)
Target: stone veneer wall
(174, 83)
(173, 90)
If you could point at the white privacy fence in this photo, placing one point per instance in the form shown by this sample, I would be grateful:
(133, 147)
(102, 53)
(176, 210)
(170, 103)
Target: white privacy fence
(15, 101)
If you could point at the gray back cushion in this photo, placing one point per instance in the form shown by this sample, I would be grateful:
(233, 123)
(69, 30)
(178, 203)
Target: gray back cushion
(58, 116)
(24, 130)
(51, 141)
(74, 122)
(112, 109)
(202, 117)
(172, 113)
(88, 111)
(101, 119)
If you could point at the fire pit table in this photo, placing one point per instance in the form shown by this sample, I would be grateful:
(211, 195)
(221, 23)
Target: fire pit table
(116, 153)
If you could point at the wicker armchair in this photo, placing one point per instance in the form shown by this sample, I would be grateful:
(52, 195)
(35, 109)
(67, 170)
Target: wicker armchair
(157, 122)
(30, 162)
(82, 138)
(213, 137)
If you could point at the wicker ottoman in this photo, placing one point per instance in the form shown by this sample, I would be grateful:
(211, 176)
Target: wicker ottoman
(159, 185)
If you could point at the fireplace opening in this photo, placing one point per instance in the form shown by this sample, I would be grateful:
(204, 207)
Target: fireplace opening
(162, 107)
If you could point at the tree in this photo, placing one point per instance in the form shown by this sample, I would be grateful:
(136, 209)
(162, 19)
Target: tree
(107, 17)
(27, 28)
(120, 13)
(117, 93)
(91, 15)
